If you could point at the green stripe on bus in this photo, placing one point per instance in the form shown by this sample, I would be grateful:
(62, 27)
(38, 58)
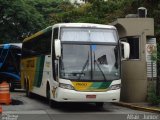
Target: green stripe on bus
(100, 85)
(39, 71)
(105, 85)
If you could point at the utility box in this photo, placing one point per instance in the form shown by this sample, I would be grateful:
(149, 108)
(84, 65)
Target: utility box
(138, 70)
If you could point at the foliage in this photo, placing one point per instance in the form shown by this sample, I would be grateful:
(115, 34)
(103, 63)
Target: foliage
(95, 11)
(154, 56)
(48, 7)
(152, 97)
(17, 19)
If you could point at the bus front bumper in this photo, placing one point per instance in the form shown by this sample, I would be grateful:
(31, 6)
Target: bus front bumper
(65, 95)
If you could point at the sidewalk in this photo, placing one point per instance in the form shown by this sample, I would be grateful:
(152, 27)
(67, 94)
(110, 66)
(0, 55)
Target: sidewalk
(139, 106)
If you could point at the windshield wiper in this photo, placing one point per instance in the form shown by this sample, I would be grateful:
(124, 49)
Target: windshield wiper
(95, 61)
(84, 66)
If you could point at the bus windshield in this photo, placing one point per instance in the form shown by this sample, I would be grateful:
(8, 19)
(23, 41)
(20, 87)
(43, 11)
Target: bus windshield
(9, 61)
(90, 62)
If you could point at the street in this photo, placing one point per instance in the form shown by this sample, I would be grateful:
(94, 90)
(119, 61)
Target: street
(23, 108)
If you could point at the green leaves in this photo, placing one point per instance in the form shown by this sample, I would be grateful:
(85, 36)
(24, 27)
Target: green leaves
(17, 18)
(20, 18)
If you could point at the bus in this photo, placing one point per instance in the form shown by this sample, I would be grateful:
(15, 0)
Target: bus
(10, 55)
(74, 62)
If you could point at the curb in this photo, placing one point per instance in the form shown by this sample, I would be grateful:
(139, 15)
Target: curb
(136, 107)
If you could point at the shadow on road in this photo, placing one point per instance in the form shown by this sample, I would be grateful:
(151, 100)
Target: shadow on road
(79, 107)
(73, 107)
(16, 102)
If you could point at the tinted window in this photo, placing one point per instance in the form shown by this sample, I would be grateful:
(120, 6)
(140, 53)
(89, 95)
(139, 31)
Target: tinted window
(37, 46)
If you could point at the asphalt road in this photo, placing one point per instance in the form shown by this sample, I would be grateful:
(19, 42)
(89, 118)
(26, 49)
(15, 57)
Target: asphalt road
(23, 108)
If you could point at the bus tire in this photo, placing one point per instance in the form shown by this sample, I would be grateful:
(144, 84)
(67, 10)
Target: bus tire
(100, 104)
(28, 93)
(25, 84)
(51, 103)
(48, 96)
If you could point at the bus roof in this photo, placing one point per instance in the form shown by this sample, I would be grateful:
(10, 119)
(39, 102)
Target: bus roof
(91, 25)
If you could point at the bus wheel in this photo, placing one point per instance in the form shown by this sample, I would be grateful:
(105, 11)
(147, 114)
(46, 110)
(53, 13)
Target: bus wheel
(48, 96)
(99, 104)
(28, 93)
(51, 103)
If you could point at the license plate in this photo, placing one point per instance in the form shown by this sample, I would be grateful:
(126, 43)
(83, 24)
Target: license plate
(91, 96)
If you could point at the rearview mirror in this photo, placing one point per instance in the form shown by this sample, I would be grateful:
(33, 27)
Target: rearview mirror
(125, 49)
(57, 46)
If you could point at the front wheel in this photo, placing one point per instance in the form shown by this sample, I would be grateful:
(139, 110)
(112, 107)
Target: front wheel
(49, 101)
(48, 94)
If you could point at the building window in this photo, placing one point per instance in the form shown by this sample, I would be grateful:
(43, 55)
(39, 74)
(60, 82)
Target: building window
(134, 47)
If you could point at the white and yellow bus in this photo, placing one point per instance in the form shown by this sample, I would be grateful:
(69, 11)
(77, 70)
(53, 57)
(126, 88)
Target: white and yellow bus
(73, 62)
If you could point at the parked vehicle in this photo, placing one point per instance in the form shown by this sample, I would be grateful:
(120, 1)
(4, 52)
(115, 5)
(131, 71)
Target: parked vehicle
(10, 55)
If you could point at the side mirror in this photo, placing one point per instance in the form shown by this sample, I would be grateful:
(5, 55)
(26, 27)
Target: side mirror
(57, 46)
(125, 49)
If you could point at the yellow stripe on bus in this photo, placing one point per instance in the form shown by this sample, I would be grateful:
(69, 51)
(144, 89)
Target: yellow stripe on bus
(33, 36)
(80, 86)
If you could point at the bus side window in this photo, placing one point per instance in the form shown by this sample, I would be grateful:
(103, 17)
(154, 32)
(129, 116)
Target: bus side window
(54, 61)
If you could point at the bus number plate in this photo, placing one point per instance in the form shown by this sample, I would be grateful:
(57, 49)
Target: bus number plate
(91, 96)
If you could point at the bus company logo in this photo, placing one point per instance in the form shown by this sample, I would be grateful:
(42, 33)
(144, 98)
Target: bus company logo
(81, 84)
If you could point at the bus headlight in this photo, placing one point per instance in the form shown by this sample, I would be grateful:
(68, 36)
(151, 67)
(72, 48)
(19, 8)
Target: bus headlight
(115, 87)
(66, 86)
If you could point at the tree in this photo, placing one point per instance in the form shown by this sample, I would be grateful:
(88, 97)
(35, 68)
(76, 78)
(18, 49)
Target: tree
(94, 11)
(18, 19)
(48, 8)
